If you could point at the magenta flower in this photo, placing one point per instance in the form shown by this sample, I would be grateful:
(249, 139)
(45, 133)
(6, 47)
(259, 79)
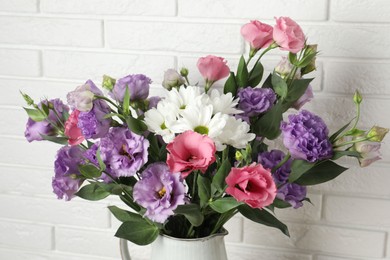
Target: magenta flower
(159, 191)
(72, 131)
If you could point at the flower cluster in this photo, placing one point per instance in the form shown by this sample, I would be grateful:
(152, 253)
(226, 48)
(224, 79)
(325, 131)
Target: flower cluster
(186, 162)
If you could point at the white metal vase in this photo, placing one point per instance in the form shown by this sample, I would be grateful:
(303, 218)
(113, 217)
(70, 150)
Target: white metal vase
(171, 248)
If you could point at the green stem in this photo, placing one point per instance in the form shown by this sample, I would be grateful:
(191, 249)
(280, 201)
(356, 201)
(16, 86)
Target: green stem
(357, 116)
(285, 159)
(272, 46)
(188, 82)
(108, 100)
(352, 142)
(190, 230)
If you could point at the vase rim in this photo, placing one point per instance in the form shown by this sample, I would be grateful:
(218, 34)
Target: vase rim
(223, 232)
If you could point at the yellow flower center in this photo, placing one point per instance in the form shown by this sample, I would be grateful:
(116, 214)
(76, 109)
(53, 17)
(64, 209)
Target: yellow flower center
(162, 192)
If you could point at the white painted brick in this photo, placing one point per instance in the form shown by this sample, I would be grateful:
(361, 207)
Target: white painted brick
(38, 89)
(244, 252)
(16, 121)
(371, 181)
(357, 211)
(319, 238)
(26, 180)
(19, 152)
(360, 11)
(171, 36)
(75, 212)
(350, 40)
(15, 62)
(51, 31)
(308, 212)
(340, 258)
(234, 227)
(28, 6)
(94, 242)
(8, 254)
(85, 65)
(107, 7)
(23, 235)
(367, 77)
(254, 9)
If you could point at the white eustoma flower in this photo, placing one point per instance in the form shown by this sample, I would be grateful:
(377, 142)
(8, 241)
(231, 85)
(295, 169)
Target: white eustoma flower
(235, 133)
(184, 97)
(199, 118)
(159, 120)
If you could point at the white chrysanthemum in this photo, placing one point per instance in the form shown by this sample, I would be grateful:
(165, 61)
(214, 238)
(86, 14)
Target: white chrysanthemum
(223, 103)
(159, 120)
(200, 119)
(184, 97)
(235, 133)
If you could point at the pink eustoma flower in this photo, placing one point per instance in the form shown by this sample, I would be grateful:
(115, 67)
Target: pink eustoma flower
(72, 131)
(252, 184)
(288, 35)
(213, 68)
(190, 151)
(259, 35)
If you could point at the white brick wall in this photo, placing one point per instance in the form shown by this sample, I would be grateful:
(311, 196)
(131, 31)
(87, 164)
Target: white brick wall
(48, 47)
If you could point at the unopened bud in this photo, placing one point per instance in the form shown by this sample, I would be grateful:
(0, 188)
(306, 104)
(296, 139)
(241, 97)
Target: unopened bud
(239, 156)
(184, 72)
(172, 79)
(27, 98)
(108, 82)
(357, 97)
(284, 69)
(377, 133)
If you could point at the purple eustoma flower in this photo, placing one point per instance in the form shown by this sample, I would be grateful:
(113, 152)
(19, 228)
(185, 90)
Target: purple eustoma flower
(65, 182)
(34, 130)
(293, 194)
(306, 137)
(254, 101)
(138, 85)
(271, 159)
(123, 152)
(159, 191)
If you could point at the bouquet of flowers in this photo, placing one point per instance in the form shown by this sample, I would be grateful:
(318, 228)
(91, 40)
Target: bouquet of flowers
(184, 164)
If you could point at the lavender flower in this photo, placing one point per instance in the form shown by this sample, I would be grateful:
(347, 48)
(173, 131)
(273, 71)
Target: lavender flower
(65, 182)
(254, 101)
(293, 194)
(123, 152)
(34, 130)
(159, 191)
(271, 159)
(82, 97)
(93, 124)
(306, 97)
(138, 85)
(153, 101)
(306, 137)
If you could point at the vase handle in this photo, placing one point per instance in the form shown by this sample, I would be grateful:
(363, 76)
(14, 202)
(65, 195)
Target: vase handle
(124, 249)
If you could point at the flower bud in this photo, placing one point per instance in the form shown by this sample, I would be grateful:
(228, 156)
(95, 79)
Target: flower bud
(27, 98)
(184, 72)
(369, 152)
(172, 79)
(357, 97)
(108, 82)
(239, 156)
(310, 51)
(377, 133)
(284, 68)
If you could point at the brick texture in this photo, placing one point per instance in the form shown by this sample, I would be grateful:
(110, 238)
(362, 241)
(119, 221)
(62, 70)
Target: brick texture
(49, 47)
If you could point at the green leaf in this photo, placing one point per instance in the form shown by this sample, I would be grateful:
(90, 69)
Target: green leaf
(306, 60)
(92, 192)
(89, 171)
(135, 125)
(298, 168)
(230, 85)
(279, 85)
(322, 172)
(295, 91)
(109, 115)
(218, 182)
(55, 139)
(355, 132)
(130, 203)
(269, 124)
(338, 154)
(268, 82)
(35, 114)
(102, 165)
(191, 212)
(112, 188)
(126, 102)
(262, 216)
(140, 232)
(256, 75)
(292, 58)
(242, 73)
(204, 189)
(225, 204)
(45, 108)
(124, 215)
(281, 204)
(333, 137)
